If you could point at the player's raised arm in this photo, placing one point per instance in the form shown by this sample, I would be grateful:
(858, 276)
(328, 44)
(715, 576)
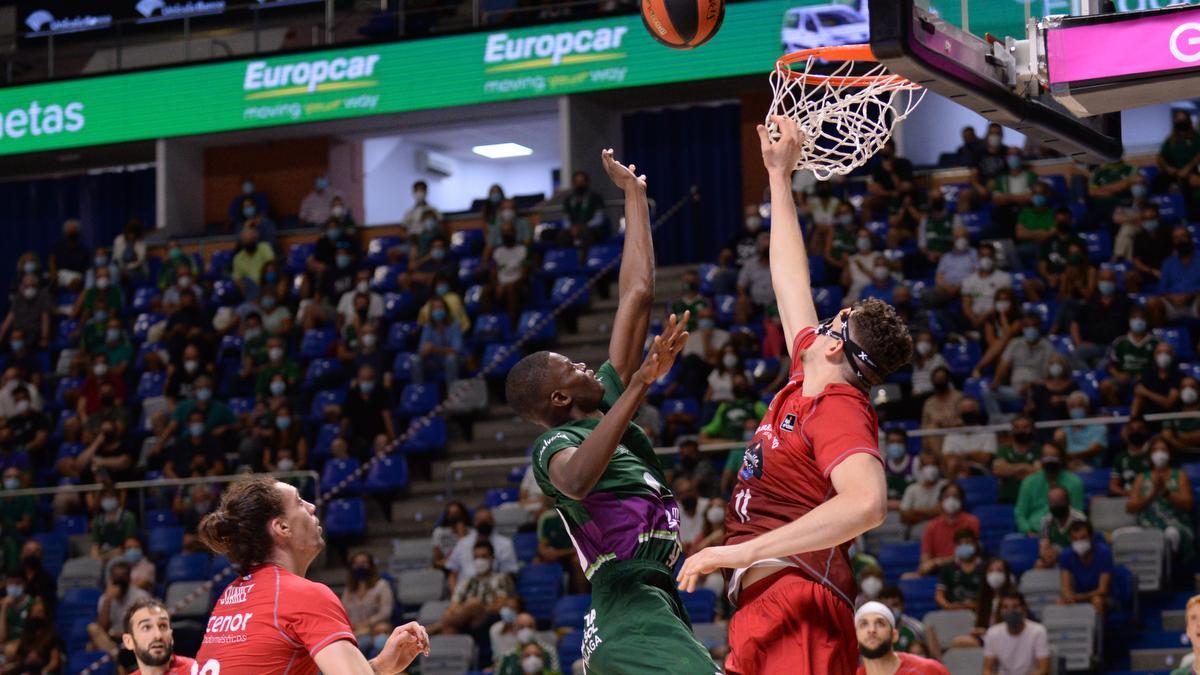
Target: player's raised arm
(789, 257)
(575, 471)
(635, 285)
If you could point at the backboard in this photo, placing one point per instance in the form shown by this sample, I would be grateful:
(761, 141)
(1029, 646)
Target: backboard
(990, 56)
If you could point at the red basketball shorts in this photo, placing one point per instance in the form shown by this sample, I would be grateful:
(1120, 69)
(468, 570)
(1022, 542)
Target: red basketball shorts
(786, 624)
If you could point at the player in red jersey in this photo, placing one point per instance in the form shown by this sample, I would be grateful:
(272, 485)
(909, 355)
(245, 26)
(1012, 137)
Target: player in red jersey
(812, 478)
(876, 628)
(271, 619)
(148, 636)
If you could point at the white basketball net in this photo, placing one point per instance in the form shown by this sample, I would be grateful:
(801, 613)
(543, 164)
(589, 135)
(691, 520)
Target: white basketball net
(845, 116)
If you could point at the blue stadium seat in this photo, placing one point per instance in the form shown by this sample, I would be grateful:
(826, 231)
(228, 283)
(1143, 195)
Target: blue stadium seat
(164, 541)
(979, 490)
(54, 551)
(473, 300)
(540, 586)
(345, 517)
(468, 270)
(418, 399)
(140, 361)
(724, 307)
(160, 518)
(570, 649)
(699, 604)
(708, 273)
(526, 546)
(1088, 384)
(404, 365)
(676, 406)
(962, 357)
(569, 291)
(142, 298)
(298, 255)
(317, 342)
(65, 385)
(660, 386)
(496, 496)
(570, 610)
(225, 293)
(1099, 245)
(602, 255)
(828, 300)
(321, 371)
(378, 247)
(500, 358)
(978, 223)
(387, 474)
(402, 335)
(1171, 208)
(816, 269)
(1020, 551)
(231, 345)
(919, 595)
(383, 279)
(68, 450)
(187, 567)
(325, 437)
(429, 436)
(1062, 343)
(220, 263)
(71, 525)
(62, 334)
(491, 328)
(897, 559)
(877, 228)
(325, 398)
(995, 522)
(79, 662)
(338, 470)
(149, 385)
(1180, 341)
(467, 242)
(560, 261)
(81, 597)
(1043, 309)
(143, 323)
(241, 405)
(1095, 482)
(528, 324)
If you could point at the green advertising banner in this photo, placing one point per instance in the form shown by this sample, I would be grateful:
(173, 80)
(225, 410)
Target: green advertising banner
(337, 84)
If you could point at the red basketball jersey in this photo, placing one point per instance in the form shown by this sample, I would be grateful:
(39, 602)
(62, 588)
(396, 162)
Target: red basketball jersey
(180, 665)
(786, 470)
(271, 621)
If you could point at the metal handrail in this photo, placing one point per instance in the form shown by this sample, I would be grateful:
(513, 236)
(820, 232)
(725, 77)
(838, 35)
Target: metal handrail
(458, 465)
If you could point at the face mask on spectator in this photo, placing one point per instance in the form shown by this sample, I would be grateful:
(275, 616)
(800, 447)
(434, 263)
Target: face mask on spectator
(863, 244)
(113, 334)
(846, 219)
(1138, 190)
(29, 292)
(249, 211)
(1163, 360)
(896, 450)
(362, 286)
(203, 394)
(508, 615)
(1151, 224)
(1189, 395)
(100, 316)
(1160, 458)
(729, 360)
(532, 664)
(753, 223)
(1031, 333)
(286, 464)
(1038, 201)
(525, 635)
(871, 586)
(343, 260)
(275, 353)
(102, 283)
(483, 565)
(1014, 161)
(442, 289)
(12, 483)
(880, 273)
(438, 253)
(268, 302)
(22, 407)
(995, 580)
(196, 429)
(14, 590)
(1014, 621)
(368, 340)
(191, 365)
(337, 211)
(987, 263)
(367, 386)
(184, 281)
(1106, 287)
(930, 473)
(1078, 413)
(438, 315)
(964, 551)
(1002, 306)
(993, 141)
(108, 504)
(1056, 369)
(1081, 547)
(706, 323)
(17, 345)
(1137, 325)
(248, 187)
(283, 423)
(278, 387)
(507, 214)
(419, 196)
(1060, 511)
(133, 555)
(961, 244)
(951, 505)
(924, 347)
(100, 369)
(333, 233)
(715, 515)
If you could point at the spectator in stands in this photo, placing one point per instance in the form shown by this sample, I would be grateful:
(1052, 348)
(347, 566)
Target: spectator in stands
(509, 269)
(218, 419)
(40, 648)
(276, 319)
(453, 526)
(940, 410)
(995, 157)
(443, 287)
(9, 383)
(420, 192)
(441, 345)
(277, 364)
(530, 659)
(1158, 390)
(29, 263)
(29, 430)
(199, 453)
(922, 499)
(13, 609)
(899, 466)
(88, 303)
(38, 582)
(249, 193)
(913, 637)
(1047, 399)
(181, 379)
(340, 215)
(926, 360)
(16, 513)
(959, 580)
(118, 597)
(904, 216)
(952, 268)
(1161, 498)
(1035, 223)
(1021, 365)
(109, 455)
(141, 570)
(69, 258)
(883, 285)
(979, 288)
(1101, 320)
(1133, 459)
(870, 583)
(939, 538)
(691, 300)
(1016, 460)
(1018, 645)
(584, 209)
(891, 175)
(692, 466)
(1054, 254)
(248, 262)
(966, 450)
(692, 508)
(997, 580)
(1130, 226)
(506, 215)
(1109, 187)
(1033, 501)
(177, 264)
(436, 263)
(1179, 282)
(702, 356)
(755, 292)
(857, 273)
(1076, 286)
(368, 598)
(720, 378)
(1054, 533)
(502, 636)
(934, 233)
(1086, 569)
(477, 597)
(1184, 433)
(286, 448)
(111, 524)
(1179, 154)
(728, 422)
(971, 150)
(367, 412)
(314, 208)
(842, 242)
(458, 563)
(1129, 357)
(878, 637)
(822, 209)
(129, 253)
(742, 247)
(29, 312)
(1085, 443)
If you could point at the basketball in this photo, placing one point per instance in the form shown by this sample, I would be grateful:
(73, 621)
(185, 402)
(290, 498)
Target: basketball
(683, 24)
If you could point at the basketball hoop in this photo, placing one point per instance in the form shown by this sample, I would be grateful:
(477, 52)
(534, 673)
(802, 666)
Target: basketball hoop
(846, 114)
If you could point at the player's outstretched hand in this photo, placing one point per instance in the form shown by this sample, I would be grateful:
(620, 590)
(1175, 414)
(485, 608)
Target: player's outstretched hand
(624, 177)
(403, 646)
(707, 561)
(664, 349)
(783, 154)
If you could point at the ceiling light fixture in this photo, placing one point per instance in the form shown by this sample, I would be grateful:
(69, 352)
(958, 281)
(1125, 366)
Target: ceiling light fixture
(502, 150)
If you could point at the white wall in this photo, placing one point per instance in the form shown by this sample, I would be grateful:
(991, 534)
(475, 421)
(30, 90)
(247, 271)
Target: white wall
(389, 169)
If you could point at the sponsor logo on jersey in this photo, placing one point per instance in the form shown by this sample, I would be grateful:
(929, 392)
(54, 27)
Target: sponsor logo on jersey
(789, 422)
(235, 595)
(228, 623)
(752, 464)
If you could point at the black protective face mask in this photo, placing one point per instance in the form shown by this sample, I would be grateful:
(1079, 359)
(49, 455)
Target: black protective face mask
(877, 653)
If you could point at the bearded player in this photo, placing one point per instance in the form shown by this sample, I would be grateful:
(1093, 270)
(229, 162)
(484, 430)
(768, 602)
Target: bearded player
(148, 635)
(812, 479)
(601, 471)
